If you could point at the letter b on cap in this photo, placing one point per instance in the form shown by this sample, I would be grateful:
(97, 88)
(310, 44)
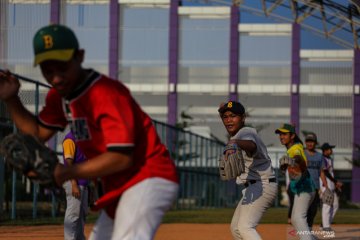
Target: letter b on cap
(48, 41)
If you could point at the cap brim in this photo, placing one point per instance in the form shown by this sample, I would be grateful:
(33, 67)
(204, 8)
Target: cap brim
(281, 130)
(327, 147)
(59, 55)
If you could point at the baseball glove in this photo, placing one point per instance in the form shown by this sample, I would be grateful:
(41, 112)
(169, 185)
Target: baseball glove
(286, 161)
(29, 156)
(327, 197)
(231, 164)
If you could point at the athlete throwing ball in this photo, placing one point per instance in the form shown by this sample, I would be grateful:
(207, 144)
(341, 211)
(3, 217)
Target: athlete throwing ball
(258, 179)
(123, 149)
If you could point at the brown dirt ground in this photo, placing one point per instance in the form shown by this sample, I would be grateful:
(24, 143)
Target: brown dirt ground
(179, 232)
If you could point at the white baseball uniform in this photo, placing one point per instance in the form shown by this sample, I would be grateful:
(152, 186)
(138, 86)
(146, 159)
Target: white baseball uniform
(260, 188)
(328, 212)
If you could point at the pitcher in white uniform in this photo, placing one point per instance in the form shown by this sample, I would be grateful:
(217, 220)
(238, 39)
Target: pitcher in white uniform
(258, 180)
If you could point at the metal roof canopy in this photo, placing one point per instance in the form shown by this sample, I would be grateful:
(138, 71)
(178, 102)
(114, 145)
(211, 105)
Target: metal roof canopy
(337, 20)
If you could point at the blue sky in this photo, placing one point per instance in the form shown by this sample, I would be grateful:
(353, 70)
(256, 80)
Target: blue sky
(309, 39)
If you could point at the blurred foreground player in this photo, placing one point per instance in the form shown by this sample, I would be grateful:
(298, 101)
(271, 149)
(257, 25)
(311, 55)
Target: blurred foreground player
(138, 176)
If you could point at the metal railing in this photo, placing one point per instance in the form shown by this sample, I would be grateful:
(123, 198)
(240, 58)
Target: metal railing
(195, 157)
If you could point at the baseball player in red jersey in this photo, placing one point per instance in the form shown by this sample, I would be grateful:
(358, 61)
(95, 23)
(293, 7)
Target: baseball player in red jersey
(138, 176)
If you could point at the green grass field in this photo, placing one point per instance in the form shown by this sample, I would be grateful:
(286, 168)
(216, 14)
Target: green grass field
(273, 215)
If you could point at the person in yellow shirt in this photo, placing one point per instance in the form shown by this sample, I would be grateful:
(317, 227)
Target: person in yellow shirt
(301, 183)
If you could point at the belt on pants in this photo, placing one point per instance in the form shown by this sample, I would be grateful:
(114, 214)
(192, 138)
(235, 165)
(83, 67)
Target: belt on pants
(248, 183)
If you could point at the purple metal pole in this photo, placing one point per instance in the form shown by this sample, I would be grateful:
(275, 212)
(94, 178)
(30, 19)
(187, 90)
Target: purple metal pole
(3, 16)
(55, 11)
(114, 39)
(355, 183)
(295, 77)
(234, 52)
(173, 62)
(3, 53)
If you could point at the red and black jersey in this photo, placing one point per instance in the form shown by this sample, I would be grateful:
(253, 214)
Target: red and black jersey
(105, 117)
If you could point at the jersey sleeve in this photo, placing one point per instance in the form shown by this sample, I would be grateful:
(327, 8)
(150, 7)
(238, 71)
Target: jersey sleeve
(69, 149)
(52, 114)
(323, 162)
(115, 112)
(247, 134)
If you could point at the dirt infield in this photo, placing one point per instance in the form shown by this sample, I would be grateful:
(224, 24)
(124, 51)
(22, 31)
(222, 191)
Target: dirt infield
(183, 232)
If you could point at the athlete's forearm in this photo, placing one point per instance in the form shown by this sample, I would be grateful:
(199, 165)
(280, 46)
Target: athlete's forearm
(323, 178)
(69, 162)
(100, 166)
(246, 145)
(328, 175)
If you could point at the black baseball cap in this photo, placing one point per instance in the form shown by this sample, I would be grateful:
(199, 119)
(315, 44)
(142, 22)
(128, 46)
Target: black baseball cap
(326, 146)
(311, 137)
(232, 106)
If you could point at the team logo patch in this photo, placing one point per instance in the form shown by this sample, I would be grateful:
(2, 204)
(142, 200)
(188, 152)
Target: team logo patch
(48, 41)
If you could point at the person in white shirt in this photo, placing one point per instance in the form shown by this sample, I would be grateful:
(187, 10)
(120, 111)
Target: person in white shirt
(329, 211)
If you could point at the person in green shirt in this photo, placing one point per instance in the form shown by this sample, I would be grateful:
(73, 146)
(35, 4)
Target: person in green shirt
(301, 183)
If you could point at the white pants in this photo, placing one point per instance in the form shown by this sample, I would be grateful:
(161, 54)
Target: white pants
(139, 212)
(301, 205)
(75, 214)
(256, 198)
(328, 212)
